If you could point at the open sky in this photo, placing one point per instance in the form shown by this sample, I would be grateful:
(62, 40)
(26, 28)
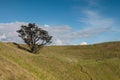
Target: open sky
(70, 22)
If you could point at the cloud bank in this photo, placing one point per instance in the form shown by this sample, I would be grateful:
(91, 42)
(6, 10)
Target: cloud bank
(8, 31)
(95, 24)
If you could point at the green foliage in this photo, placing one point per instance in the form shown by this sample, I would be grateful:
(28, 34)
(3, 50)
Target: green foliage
(34, 37)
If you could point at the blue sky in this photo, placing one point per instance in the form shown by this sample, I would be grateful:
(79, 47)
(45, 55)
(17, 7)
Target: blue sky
(70, 22)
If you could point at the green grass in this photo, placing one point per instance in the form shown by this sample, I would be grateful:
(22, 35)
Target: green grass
(90, 62)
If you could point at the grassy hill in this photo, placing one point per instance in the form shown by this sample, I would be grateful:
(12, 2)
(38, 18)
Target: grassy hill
(90, 62)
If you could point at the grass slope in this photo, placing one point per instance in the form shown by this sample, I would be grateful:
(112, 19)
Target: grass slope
(91, 62)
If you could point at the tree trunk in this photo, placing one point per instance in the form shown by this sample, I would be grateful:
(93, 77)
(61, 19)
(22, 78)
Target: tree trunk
(33, 49)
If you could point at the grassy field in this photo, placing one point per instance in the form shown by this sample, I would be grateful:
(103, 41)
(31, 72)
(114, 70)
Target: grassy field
(90, 62)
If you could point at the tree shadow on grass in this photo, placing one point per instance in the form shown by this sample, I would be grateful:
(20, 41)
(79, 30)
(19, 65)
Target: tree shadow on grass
(21, 47)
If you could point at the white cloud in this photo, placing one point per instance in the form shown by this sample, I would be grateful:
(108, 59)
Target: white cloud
(84, 43)
(58, 42)
(46, 25)
(2, 37)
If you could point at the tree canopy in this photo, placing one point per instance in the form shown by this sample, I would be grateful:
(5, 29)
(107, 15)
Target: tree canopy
(34, 36)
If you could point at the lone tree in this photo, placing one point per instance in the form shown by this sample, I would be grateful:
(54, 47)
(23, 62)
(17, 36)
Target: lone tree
(34, 36)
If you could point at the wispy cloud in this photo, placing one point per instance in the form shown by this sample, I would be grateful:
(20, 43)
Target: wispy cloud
(96, 24)
(94, 19)
(87, 33)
